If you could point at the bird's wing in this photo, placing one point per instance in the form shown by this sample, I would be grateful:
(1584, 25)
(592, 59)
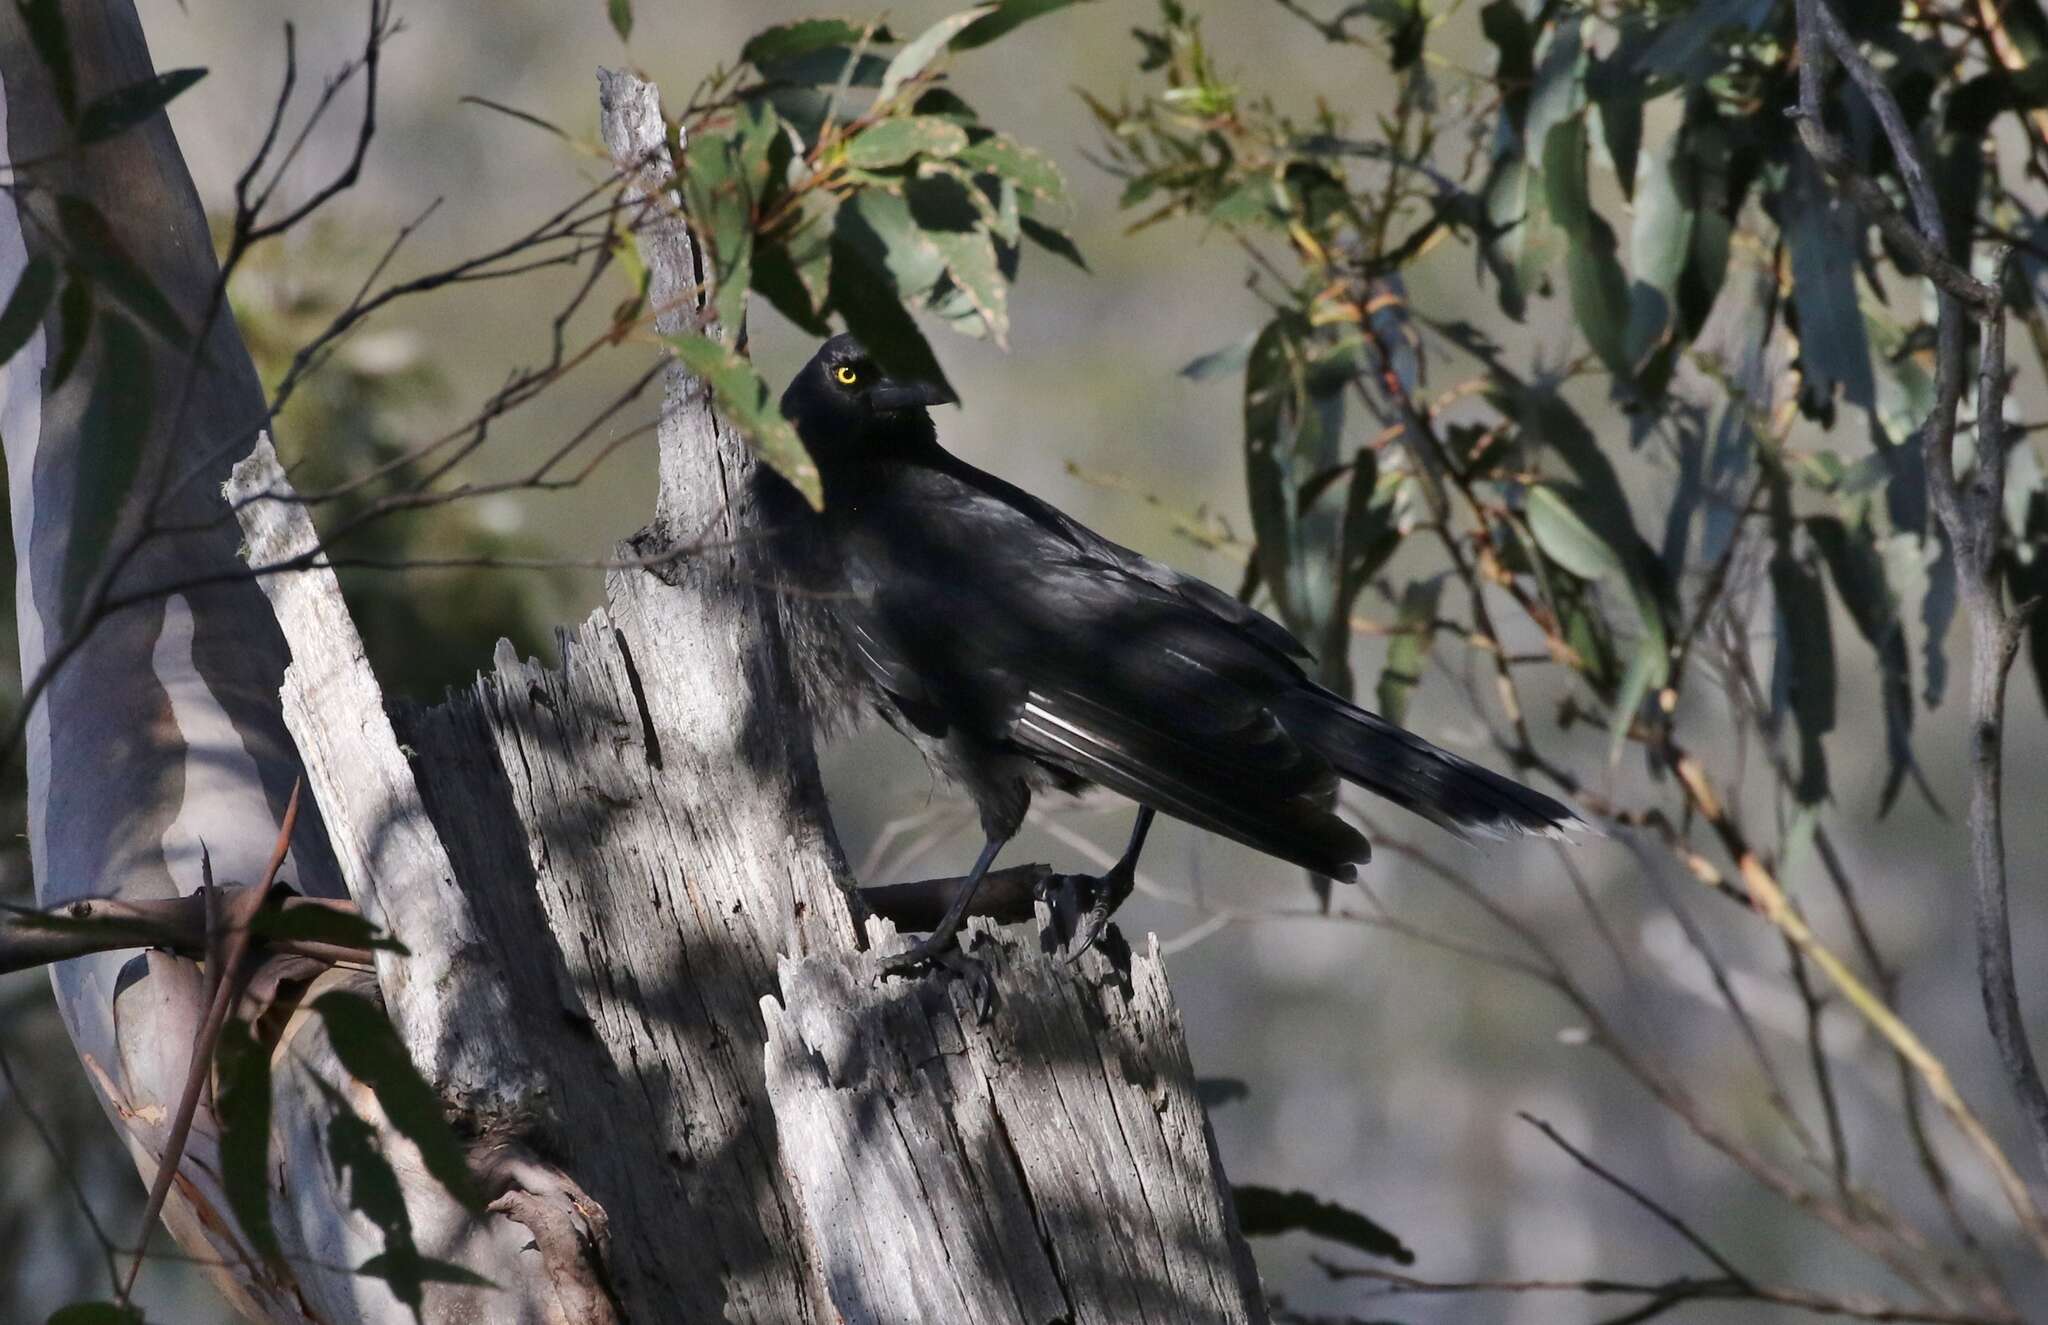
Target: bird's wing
(985, 613)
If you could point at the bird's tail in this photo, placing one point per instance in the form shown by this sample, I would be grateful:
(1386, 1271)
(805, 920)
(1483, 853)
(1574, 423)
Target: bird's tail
(1442, 787)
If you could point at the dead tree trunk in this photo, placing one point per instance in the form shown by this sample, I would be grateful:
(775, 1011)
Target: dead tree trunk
(637, 978)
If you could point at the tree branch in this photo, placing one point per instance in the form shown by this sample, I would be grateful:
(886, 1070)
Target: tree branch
(1970, 513)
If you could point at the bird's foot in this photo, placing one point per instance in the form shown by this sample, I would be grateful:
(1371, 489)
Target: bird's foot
(941, 955)
(1081, 906)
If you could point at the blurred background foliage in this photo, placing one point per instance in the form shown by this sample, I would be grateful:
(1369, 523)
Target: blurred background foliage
(1514, 354)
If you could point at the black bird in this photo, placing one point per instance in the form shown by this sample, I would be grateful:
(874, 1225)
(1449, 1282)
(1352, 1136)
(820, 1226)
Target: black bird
(1020, 650)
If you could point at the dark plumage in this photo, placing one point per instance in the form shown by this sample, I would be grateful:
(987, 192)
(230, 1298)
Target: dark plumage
(1021, 650)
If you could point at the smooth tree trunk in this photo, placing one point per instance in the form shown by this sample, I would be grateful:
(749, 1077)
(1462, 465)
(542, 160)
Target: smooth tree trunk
(637, 977)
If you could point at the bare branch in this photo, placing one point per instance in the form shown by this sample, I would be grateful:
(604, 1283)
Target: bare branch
(1971, 515)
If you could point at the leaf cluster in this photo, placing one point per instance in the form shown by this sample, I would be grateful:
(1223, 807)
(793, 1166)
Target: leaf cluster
(1626, 171)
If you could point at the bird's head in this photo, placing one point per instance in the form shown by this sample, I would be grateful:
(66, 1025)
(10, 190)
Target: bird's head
(841, 402)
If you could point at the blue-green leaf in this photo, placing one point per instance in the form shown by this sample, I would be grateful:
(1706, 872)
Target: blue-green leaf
(1599, 289)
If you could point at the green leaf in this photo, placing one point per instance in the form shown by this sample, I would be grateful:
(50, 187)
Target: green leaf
(320, 924)
(26, 306)
(1230, 359)
(94, 249)
(1052, 241)
(96, 1313)
(1602, 545)
(823, 69)
(866, 295)
(1660, 246)
(621, 14)
(748, 404)
(1621, 126)
(877, 228)
(1649, 667)
(728, 179)
(1273, 418)
(805, 36)
(921, 50)
(1803, 669)
(114, 432)
(1679, 49)
(368, 1046)
(1008, 16)
(1569, 540)
(125, 107)
(972, 266)
(1264, 1212)
(52, 40)
(1821, 233)
(895, 141)
(1414, 628)
(793, 270)
(242, 1104)
(1599, 289)
(1858, 571)
(1369, 539)
(1030, 170)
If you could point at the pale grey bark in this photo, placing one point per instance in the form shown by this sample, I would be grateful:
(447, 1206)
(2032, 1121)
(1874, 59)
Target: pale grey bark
(394, 865)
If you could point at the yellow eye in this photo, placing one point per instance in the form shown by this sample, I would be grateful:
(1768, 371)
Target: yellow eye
(846, 376)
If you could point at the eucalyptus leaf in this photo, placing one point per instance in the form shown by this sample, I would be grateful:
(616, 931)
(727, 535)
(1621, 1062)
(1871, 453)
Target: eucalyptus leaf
(805, 36)
(1052, 240)
(918, 53)
(1008, 16)
(1803, 669)
(1414, 628)
(1599, 288)
(1032, 171)
(746, 401)
(1821, 233)
(892, 142)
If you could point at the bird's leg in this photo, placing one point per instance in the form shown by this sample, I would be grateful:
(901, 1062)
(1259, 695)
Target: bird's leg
(1110, 889)
(931, 946)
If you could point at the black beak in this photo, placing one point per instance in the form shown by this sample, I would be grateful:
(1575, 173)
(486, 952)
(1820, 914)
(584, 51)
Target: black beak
(889, 395)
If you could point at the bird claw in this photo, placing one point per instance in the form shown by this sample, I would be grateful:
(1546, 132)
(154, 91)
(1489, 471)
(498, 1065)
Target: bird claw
(1074, 898)
(947, 959)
